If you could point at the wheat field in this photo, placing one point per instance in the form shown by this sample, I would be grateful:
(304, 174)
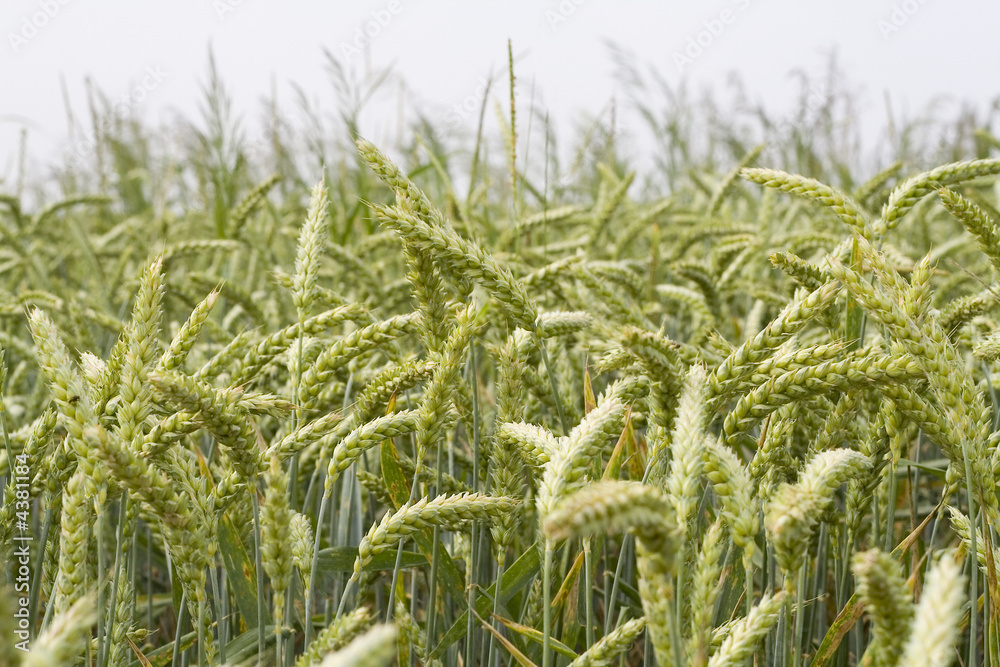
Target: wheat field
(458, 410)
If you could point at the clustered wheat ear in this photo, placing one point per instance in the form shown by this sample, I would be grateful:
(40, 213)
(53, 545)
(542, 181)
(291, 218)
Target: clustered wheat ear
(526, 423)
(795, 510)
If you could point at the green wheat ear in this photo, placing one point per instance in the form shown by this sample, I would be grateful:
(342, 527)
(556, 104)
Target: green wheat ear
(906, 195)
(520, 417)
(375, 648)
(849, 211)
(937, 620)
(63, 641)
(887, 601)
(335, 636)
(745, 635)
(311, 240)
(612, 506)
(684, 481)
(795, 510)
(276, 523)
(609, 647)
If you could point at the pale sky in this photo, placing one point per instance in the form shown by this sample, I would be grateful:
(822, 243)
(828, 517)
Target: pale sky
(153, 57)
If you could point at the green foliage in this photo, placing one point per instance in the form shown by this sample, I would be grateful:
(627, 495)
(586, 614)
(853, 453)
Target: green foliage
(250, 419)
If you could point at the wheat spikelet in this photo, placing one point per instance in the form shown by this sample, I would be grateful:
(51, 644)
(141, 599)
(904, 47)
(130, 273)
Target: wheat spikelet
(435, 408)
(966, 425)
(574, 454)
(609, 647)
(862, 370)
(124, 629)
(310, 246)
(340, 353)
(301, 535)
(563, 323)
(275, 533)
(411, 636)
(335, 636)
(223, 413)
(250, 203)
(962, 311)
(732, 484)
(391, 175)
(135, 394)
(906, 195)
(264, 352)
(74, 544)
(849, 211)
(68, 390)
(935, 627)
(611, 506)
(186, 337)
(744, 635)
(365, 436)
(305, 435)
(506, 461)
(705, 591)
(445, 511)
(790, 321)
(655, 561)
(536, 444)
(806, 274)
(63, 641)
(316, 437)
(684, 481)
(463, 258)
(375, 648)
(963, 528)
(887, 600)
(795, 509)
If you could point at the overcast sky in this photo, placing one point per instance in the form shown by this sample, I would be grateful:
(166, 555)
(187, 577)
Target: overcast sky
(153, 57)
